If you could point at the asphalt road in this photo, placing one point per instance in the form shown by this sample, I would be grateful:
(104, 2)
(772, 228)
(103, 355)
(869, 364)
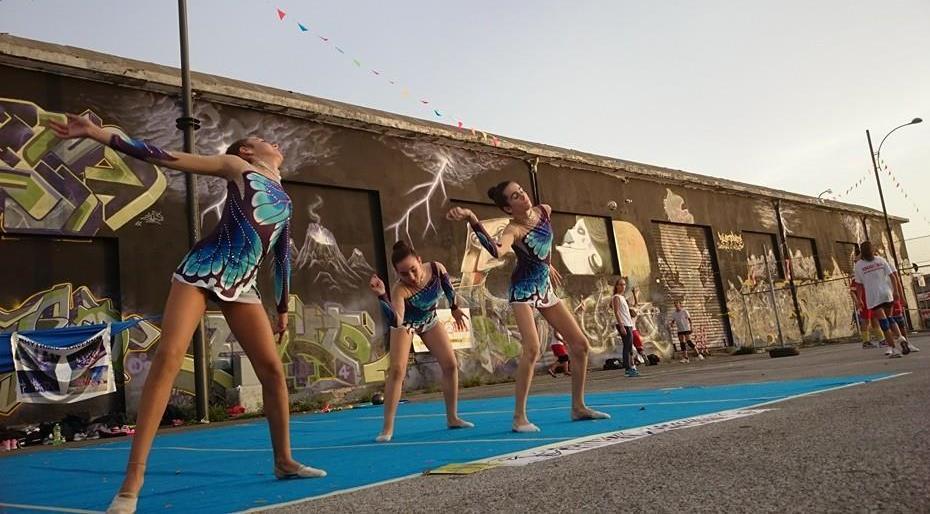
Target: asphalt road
(859, 449)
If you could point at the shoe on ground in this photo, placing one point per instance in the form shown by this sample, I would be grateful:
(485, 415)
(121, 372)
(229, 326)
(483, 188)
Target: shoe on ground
(905, 348)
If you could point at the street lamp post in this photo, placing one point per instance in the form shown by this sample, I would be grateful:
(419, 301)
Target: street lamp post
(875, 155)
(827, 191)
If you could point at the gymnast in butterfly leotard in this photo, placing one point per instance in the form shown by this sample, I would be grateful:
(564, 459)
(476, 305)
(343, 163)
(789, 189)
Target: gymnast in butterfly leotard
(529, 236)
(223, 266)
(411, 308)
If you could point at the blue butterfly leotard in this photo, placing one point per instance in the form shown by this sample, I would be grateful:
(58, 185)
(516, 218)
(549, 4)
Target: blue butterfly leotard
(253, 222)
(420, 307)
(529, 282)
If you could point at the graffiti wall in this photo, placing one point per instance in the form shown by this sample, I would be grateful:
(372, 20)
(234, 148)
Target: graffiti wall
(101, 233)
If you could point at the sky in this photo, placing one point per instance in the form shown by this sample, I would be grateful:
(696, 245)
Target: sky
(775, 93)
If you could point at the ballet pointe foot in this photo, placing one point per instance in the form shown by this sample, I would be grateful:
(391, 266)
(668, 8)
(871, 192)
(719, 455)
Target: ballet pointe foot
(301, 472)
(123, 503)
(526, 428)
(460, 423)
(384, 438)
(588, 414)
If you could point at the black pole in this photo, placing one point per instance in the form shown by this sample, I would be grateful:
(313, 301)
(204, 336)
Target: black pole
(881, 196)
(187, 124)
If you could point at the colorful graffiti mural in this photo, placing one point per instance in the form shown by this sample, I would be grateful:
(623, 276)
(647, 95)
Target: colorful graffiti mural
(71, 187)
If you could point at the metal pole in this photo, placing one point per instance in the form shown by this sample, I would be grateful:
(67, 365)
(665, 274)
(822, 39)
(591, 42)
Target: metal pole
(881, 196)
(187, 124)
(768, 273)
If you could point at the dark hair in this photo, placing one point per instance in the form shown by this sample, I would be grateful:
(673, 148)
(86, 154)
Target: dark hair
(401, 251)
(617, 284)
(496, 194)
(236, 146)
(868, 252)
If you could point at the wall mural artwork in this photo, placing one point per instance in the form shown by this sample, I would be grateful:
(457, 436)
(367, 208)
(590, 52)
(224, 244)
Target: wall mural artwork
(675, 209)
(585, 247)
(633, 256)
(446, 167)
(730, 242)
(321, 257)
(66, 305)
(495, 333)
(73, 187)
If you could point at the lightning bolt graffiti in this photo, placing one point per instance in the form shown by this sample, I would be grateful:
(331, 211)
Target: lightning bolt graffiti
(431, 188)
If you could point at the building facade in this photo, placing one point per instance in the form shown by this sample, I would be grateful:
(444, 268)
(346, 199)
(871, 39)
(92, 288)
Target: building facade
(90, 235)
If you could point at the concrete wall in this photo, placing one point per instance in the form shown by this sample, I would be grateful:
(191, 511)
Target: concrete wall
(94, 236)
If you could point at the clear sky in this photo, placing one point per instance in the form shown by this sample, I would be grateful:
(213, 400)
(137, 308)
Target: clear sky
(777, 93)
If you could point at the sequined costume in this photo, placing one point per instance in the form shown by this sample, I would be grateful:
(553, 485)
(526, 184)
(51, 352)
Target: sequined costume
(255, 221)
(529, 282)
(420, 307)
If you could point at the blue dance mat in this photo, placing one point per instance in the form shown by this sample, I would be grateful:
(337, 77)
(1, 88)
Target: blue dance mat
(229, 468)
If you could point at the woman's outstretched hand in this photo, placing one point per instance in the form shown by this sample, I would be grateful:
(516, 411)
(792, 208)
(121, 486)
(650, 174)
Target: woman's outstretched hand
(76, 126)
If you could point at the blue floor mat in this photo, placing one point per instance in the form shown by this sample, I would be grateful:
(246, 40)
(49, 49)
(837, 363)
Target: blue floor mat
(229, 468)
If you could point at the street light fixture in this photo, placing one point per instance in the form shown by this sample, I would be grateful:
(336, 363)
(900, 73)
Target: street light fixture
(825, 192)
(881, 195)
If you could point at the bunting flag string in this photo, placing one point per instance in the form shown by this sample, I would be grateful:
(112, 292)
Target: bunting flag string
(440, 114)
(851, 188)
(897, 184)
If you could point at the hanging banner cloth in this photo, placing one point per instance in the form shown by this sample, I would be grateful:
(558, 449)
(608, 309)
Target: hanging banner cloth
(60, 337)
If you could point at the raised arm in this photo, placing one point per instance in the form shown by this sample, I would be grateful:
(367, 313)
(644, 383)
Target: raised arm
(495, 249)
(216, 165)
(384, 300)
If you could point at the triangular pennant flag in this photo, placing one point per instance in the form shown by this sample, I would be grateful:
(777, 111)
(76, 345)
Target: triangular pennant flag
(439, 114)
(340, 50)
(424, 102)
(405, 92)
(303, 28)
(460, 124)
(281, 14)
(392, 82)
(324, 38)
(357, 63)
(375, 72)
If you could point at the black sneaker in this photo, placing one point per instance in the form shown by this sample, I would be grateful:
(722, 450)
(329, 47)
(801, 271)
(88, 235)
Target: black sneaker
(905, 348)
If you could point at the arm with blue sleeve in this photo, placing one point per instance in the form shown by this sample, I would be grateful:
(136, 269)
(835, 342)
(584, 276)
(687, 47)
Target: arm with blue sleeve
(282, 268)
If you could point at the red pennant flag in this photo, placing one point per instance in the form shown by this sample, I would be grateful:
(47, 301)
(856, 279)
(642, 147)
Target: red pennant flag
(460, 124)
(281, 14)
(324, 38)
